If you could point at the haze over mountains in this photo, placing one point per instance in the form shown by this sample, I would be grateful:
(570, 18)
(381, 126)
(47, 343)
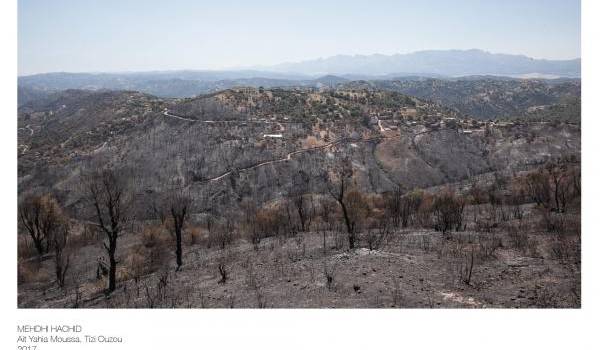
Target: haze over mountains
(441, 62)
(474, 82)
(438, 63)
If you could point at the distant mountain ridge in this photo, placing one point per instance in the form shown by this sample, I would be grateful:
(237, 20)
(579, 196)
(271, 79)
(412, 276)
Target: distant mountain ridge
(487, 98)
(420, 66)
(165, 84)
(442, 62)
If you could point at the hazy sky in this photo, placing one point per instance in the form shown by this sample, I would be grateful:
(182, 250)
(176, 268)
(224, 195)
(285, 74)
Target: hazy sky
(135, 35)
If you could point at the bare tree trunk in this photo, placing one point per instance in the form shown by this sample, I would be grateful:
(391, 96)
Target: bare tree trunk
(178, 250)
(349, 226)
(556, 190)
(112, 274)
(179, 210)
(61, 257)
(39, 247)
(107, 192)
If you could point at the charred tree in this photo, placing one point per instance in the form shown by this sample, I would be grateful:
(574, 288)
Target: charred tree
(61, 256)
(107, 191)
(179, 206)
(40, 216)
(338, 189)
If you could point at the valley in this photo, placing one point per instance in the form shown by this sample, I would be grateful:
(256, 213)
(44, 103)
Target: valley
(355, 195)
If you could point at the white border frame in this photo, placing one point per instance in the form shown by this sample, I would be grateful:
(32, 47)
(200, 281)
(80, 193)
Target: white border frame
(302, 329)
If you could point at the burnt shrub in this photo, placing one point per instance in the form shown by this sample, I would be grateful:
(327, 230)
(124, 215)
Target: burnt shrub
(518, 235)
(488, 244)
(448, 212)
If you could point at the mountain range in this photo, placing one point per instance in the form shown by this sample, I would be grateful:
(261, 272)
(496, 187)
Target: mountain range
(425, 69)
(442, 62)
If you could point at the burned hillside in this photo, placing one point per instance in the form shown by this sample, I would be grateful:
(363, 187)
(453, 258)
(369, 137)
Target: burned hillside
(302, 181)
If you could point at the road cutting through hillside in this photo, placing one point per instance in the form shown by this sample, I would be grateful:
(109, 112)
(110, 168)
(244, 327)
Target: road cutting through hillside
(27, 127)
(289, 155)
(167, 114)
(279, 123)
(279, 160)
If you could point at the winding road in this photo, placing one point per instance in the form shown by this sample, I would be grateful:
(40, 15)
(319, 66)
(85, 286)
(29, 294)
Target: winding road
(167, 114)
(289, 155)
(279, 123)
(27, 127)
